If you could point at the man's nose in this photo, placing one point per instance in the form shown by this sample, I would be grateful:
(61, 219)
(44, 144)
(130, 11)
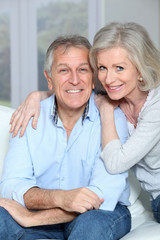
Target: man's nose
(74, 78)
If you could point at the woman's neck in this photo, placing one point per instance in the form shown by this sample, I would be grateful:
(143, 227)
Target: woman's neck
(132, 107)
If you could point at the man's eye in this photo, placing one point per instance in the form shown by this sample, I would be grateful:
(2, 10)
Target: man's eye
(83, 69)
(101, 68)
(119, 68)
(63, 70)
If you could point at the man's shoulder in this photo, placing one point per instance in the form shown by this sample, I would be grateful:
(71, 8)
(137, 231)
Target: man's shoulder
(93, 110)
(47, 105)
(119, 113)
(48, 101)
(45, 111)
(45, 115)
(92, 102)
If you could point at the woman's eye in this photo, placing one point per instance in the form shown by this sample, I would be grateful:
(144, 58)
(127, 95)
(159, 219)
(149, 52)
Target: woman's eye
(119, 68)
(101, 68)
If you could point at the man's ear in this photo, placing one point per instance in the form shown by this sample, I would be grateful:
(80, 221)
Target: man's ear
(49, 80)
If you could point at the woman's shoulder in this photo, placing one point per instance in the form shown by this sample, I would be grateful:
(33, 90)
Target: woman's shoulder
(151, 107)
(153, 99)
(156, 95)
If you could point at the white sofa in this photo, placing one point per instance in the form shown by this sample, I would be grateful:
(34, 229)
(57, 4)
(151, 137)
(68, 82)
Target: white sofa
(144, 227)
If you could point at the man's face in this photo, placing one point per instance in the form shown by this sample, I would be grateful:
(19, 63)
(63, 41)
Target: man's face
(71, 78)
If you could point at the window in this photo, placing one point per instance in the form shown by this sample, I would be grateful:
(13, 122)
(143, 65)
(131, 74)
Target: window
(5, 87)
(55, 18)
(27, 27)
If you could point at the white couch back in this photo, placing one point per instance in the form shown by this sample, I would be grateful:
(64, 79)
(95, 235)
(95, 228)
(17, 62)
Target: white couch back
(5, 115)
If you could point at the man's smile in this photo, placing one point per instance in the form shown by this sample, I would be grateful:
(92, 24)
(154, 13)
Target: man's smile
(74, 91)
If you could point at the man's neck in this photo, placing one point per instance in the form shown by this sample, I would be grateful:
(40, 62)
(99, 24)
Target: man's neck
(69, 118)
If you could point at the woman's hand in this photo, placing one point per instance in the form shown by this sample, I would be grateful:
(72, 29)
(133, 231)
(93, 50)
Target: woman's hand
(103, 102)
(29, 108)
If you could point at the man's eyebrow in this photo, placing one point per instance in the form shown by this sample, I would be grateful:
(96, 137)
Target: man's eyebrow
(62, 64)
(66, 65)
(86, 63)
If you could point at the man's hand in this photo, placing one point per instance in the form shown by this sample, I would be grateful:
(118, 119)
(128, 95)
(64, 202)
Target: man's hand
(27, 218)
(79, 200)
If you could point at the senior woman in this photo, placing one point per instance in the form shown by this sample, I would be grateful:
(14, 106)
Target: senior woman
(127, 65)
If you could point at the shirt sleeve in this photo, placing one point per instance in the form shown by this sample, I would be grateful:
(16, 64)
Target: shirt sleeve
(119, 157)
(121, 125)
(17, 175)
(113, 188)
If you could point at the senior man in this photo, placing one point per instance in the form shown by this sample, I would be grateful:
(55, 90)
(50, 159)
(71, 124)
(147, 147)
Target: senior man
(54, 176)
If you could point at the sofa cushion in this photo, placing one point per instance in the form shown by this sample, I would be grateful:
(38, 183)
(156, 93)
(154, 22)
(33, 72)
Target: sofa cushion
(135, 188)
(149, 230)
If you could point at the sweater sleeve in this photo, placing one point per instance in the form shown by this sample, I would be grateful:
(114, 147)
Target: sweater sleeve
(120, 157)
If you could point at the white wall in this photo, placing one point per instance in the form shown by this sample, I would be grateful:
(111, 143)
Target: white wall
(144, 12)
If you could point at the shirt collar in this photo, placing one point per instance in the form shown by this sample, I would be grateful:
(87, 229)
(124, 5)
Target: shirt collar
(54, 112)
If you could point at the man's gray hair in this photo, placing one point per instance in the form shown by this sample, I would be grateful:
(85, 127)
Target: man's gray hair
(136, 41)
(66, 41)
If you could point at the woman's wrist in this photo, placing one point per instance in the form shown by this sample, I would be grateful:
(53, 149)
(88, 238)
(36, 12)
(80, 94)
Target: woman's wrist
(106, 111)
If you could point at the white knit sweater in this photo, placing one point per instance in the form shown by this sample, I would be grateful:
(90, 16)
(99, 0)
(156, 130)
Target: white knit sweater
(142, 149)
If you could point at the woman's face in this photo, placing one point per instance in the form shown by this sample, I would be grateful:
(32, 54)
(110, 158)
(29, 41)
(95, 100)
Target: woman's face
(117, 74)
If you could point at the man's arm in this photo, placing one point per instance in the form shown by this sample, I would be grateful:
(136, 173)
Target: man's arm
(21, 185)
(113, 188)
(27, 218)
(77, 200)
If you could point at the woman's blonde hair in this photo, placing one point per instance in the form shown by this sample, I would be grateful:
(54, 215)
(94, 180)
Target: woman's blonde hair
(141, 50)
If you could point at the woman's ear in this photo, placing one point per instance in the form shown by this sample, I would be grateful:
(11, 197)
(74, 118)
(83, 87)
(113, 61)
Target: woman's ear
(49, 80)
(93, 80)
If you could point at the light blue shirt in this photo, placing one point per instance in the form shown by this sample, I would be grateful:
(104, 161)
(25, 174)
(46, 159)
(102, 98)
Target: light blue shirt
(44, 158)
